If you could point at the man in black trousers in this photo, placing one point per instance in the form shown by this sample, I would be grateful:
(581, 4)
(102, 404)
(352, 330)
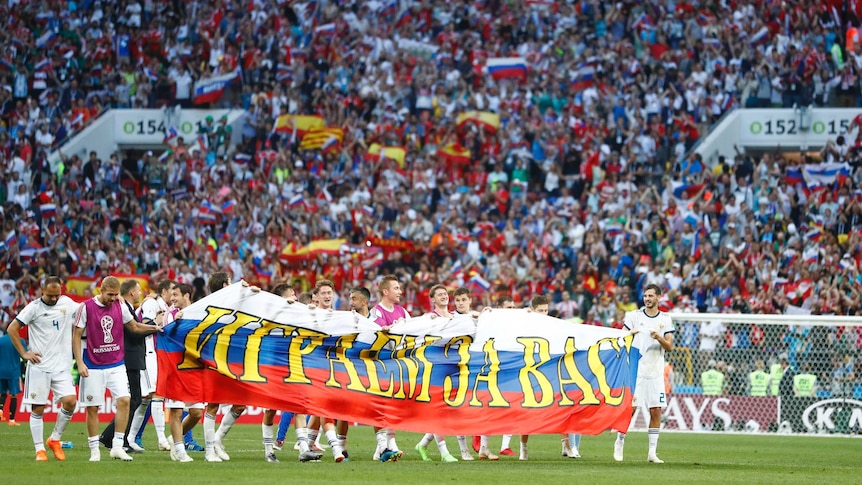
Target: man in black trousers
(136, 353)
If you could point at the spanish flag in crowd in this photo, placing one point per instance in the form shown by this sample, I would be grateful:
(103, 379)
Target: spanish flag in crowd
(292, 253)
(302, 123)
(378, 153)
(84, 286)
(326, 139)
(454, 153)
(490, 122)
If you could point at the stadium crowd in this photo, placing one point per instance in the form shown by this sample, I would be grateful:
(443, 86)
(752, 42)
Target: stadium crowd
(586, 188)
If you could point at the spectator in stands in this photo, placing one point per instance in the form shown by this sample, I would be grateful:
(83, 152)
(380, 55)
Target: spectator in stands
(567, 157)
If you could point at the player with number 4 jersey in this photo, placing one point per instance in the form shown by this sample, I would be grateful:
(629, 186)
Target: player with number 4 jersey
(49, 321)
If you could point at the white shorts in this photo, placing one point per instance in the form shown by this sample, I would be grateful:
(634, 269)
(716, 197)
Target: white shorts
(649, 393)
(171, 404)
(37, 385)
(150, 376)
(91, 390)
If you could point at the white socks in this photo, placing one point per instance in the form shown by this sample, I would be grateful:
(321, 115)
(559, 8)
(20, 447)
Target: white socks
(390, 443)
(138, 418)
(334, 443)
(227, 423)
(382, 437)
(441, 444)
(426, 440)
(118, 440)
(462, 443)
(653, 440)
(209, 433)
(507, 440)
(157, 410)
(36, 431)
(267, 431)
(302, 438)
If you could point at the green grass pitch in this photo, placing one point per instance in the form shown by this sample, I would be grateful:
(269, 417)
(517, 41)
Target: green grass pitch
(690, 458)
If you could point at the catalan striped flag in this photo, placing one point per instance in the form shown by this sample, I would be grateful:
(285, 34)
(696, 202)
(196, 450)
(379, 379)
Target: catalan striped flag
(322, 139)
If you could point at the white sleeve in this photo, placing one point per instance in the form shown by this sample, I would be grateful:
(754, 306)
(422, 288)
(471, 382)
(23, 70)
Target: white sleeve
(127, 315)
(150, 309)
(81, 316)
(26, 314)
(629, 321)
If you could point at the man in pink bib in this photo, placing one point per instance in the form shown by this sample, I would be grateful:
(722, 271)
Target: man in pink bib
(104, 319)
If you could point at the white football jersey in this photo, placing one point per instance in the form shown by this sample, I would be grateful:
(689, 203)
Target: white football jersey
(50, 332)
(651, 363)
(150, 309)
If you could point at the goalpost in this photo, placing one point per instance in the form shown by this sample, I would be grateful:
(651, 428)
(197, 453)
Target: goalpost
(717, 381)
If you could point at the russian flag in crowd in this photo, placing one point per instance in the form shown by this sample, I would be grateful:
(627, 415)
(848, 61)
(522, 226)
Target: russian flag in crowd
(296, 201)
(759, 37)
(793, 176)
(456, 268)
(825, 173)
(48, 210)
(326, 30)
(11, 239)
(242, 159)
(585, 77)
(643, 22)
(211, 89)
(45, 64)
(403, 19)
(613, 230)
(814, 234)
(152, 76)
(206, 213)
(695, 248)
(390, 8)
(45, 39)
(686, 191)
(170, 135)
(228, 206)
(284, 73)
(507, 68)
(480, 282)
(368, 210)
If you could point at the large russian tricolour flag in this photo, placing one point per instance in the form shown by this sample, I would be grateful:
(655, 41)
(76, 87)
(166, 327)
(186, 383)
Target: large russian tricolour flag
(210, 89)
(507, 68)
(547, 376)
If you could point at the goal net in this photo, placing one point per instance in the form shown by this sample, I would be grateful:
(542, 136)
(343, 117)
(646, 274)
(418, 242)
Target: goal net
(763, 373)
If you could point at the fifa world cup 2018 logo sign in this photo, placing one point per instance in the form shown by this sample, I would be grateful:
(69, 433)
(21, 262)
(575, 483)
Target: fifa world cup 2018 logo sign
(107, 324)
